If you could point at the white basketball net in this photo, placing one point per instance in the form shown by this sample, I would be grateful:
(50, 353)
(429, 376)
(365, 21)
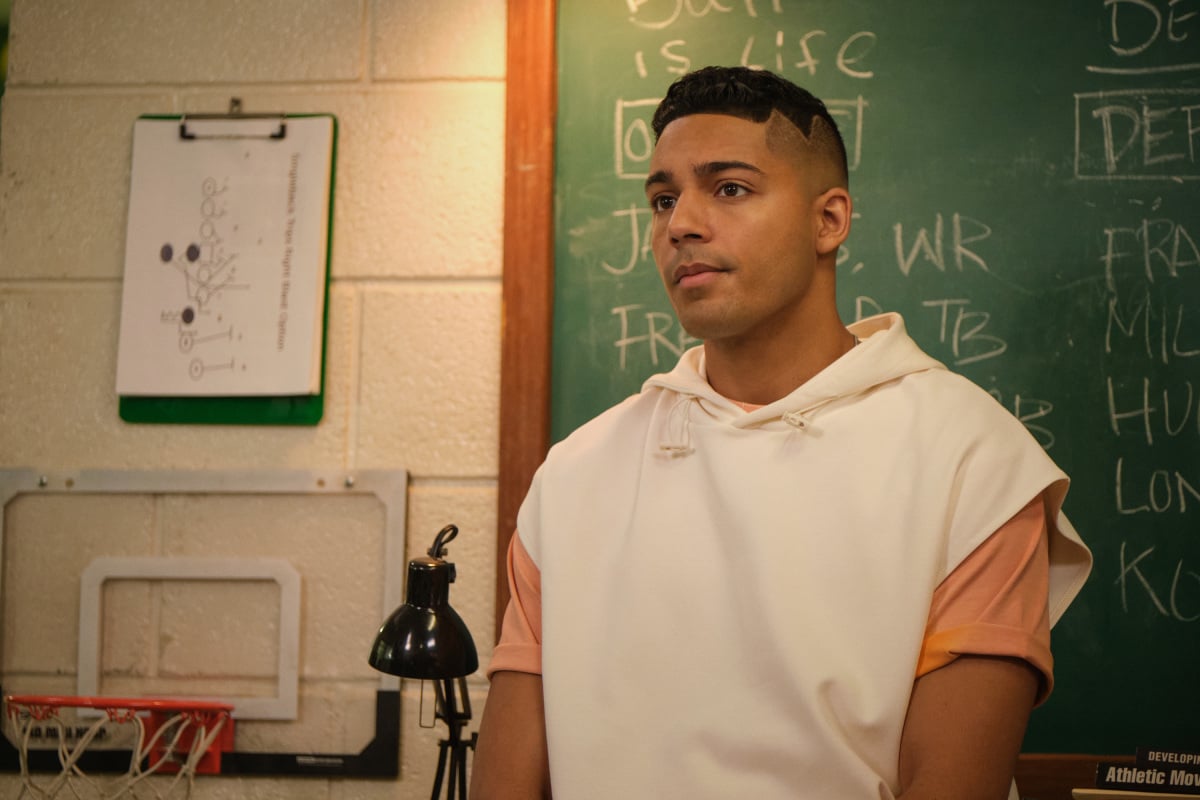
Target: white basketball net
(73, 782)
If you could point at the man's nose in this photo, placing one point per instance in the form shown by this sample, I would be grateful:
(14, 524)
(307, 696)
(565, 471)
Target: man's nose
(689, 220)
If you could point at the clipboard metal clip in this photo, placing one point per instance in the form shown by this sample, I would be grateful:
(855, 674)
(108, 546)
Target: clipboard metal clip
(235, 114)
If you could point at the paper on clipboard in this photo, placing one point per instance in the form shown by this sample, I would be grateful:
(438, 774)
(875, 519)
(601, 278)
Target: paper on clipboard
(226, 255)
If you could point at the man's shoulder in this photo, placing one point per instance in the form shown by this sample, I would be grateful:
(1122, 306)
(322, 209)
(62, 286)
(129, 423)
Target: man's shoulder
(955, 387)
(601, 451)
(955, 406)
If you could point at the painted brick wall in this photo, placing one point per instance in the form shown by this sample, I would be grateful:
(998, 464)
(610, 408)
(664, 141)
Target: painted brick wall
(413, 341)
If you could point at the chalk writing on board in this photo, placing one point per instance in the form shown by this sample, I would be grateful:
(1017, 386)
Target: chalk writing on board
(1160, 492)
(639, 240)
(1195, 67)
(1177, 413)
(850, 53)
(1159, 327)
(1154, 246)
(1138, 134)
(963, 231)
(659, 14)
(634, 138)
(965, 334)
(783, 52)
(1142, 27)
(1150, 265)
(653, 330)
(1165, 600)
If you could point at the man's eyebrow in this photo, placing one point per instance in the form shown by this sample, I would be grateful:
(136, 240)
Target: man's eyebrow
(705, 170)
(661, 176)
(715, 167)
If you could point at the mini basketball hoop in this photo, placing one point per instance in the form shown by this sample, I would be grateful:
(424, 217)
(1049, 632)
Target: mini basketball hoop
(175, 737)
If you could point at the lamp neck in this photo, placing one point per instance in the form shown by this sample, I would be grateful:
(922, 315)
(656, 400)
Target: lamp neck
(429, 582)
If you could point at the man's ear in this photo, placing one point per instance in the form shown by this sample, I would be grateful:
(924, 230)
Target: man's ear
(834, 209)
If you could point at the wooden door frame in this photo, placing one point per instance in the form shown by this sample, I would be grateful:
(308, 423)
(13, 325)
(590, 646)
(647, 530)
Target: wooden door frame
(528, 280)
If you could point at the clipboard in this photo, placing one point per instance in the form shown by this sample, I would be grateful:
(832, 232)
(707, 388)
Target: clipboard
(225, 299)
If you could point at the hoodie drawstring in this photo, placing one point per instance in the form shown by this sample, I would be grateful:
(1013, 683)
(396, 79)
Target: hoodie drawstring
(796, 419)
(676, 437)
(676, 440)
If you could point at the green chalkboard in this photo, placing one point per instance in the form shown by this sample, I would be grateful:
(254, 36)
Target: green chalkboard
(1027, 187)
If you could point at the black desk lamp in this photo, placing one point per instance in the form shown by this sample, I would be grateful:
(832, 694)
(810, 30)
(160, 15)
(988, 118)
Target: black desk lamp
(425, 638)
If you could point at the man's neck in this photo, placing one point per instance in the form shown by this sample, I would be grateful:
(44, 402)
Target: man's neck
(760, 373)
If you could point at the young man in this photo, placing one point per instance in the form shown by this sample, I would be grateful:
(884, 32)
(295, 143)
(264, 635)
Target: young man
(809, 562)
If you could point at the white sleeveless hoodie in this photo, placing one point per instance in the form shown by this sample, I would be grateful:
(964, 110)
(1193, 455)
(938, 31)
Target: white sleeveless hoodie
(733, 603)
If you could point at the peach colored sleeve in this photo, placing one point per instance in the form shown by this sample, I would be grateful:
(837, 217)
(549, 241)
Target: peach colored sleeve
(520, 645)
(995, 602)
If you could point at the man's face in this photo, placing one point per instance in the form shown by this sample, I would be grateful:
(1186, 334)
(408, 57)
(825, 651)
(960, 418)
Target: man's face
(734, 226)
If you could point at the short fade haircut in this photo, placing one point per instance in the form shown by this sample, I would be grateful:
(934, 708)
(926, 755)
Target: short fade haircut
(753, 95)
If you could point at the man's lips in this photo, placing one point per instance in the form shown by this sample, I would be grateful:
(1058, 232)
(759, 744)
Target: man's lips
(693, 272)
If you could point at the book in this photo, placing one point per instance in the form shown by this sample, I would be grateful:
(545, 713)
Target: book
(1119, 794)
(1166, 758)
(1152, 779)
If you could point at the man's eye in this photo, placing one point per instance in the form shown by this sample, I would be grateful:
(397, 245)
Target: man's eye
(731, 190)
(662, 203)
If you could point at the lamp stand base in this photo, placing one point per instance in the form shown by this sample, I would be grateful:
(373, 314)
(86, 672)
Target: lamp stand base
(452, 751)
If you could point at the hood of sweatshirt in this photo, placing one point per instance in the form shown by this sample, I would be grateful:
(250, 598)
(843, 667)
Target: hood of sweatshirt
(885, 352)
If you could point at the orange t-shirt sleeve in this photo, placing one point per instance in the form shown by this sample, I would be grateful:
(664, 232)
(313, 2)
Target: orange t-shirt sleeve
(995, 603)
(520, 645)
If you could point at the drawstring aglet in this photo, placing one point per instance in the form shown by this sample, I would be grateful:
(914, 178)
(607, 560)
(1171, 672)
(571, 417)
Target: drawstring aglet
(796, 419)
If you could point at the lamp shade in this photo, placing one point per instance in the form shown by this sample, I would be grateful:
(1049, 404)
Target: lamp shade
(426, 638)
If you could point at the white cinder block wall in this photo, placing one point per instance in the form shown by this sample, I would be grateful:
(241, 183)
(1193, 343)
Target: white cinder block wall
(412, 375)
